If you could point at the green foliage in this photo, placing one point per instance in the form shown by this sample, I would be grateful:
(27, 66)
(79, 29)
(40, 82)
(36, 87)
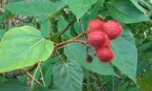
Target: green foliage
(68, 76)
(77, 52)
(119, 10)
(42, 44)
(45, 27)
(34, 8)
(126, 54)
(16, 86)
(79, 7)
(22, 47)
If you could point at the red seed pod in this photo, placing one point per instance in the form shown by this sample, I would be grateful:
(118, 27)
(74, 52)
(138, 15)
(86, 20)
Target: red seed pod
(108, 43)
(95, 24)
(105, 54)
(113, 29)
(96, 38)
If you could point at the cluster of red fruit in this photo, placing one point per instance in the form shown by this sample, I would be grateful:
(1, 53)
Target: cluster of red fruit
(100, 35)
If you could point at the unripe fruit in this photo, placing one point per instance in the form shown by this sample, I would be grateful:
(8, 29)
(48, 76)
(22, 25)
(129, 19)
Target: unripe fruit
(113, 29)
(105, 54)
(89, 59)
(95, 24)
(96, 38)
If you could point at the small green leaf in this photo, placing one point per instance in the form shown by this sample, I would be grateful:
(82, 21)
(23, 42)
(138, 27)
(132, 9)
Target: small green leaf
(68, 76)
(62, 24)
(22, 47)
(2, 33)
(126, 54)
(96, 8)
(125, 11)
(77, 52)
(35, 8)
(45, 27)
(79, 7)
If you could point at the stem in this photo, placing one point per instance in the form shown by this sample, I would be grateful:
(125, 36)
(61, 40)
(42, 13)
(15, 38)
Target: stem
(32, 82)
(42, 76)
(75, 39)
(32, 77)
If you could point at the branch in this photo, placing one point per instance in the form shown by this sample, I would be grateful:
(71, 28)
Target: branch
(75, 39)
(68, 26)
(58, 34)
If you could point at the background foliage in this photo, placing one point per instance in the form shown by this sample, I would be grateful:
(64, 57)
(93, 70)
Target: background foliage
(43, 46)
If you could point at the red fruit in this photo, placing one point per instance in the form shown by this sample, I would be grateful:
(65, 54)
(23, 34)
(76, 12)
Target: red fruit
(113, 29)
(107, 43)
(95, 24)
(96, 38)
(105, 54)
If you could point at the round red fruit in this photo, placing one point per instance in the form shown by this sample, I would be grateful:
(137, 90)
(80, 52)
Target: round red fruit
(96, 38)
(95, 24)
(108, 43)
(105, 54)
(113, 29)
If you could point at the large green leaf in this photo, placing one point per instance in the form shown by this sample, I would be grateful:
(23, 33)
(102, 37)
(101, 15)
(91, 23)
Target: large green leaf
(125, 11)
(21, 47)
(126, 54)
(77, 52)
(68, 76)
(35, 8)
(79, 7)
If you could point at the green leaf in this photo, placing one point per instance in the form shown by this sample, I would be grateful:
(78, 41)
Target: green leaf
(77, 52)
(96, 8)
(22, 47)
(125, 11)
(43, 89)
(13, 85)
(79, 7)
(135, 2)
(4, 16)
(62, 24)
(126, 54)
(2, 33)
(145, 46)
(68, 76)
(45, 27)
(134, 89)
(35, 8)
(123, 87)
(48, 75)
